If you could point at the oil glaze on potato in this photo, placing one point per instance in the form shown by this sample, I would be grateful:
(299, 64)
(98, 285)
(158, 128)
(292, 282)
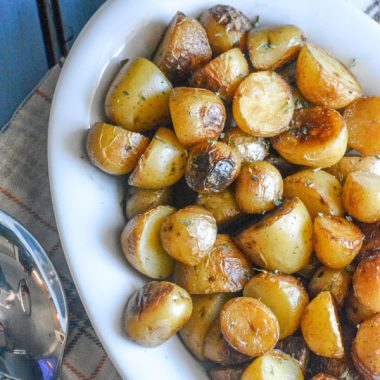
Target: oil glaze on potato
(138, 98)
(249, 326)
(263, 104)
(317, 138)
(156, 312)
(323, 80)
(289, 226)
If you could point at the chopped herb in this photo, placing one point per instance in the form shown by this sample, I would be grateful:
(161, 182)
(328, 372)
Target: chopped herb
(308, 183)
(222, 135)
(241, 75)
(298, 104)
(353, 63)
(378, 157)
(260, 270)
(266, 45)
(126, 93)
(256, 23)
(124, 61)
(316, 169)
(345, 373)
(142, 97)
(304, 130)
(254, 177)
(277, 202)
(212, 142)
(189, 114)
(288, 107)
(186, 222)
(348, 217)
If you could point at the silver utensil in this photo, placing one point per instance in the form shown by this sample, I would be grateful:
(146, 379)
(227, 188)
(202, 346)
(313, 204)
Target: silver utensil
(33, 311)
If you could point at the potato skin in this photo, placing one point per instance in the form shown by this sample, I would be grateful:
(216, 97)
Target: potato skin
(296, 347)
(156, 312)
(356, 312)
(114, 149)
(138, 98)
(183, 49)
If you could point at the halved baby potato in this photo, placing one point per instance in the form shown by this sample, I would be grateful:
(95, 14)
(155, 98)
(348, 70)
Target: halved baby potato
(162, 164)
(138, 98)
(317, 138)
(323, 80)
(282, 240)
(263, 104)
(271, 48)
(114, 149)
(321, 192)
(141, 243)
(249, 326)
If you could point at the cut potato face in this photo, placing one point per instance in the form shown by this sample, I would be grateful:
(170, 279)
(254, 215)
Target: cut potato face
(296, 347)
(114, 149)
(284, 295)
(363, 122)
(263, 104)
(289, 226)
(321, 328)
(141, 243)
(319, 191)
(162, 164)
(336, 240)
(198, 115)
(317, 138)
(325, 81)
(156, 312)
(138, 98)
(361, 196)
(224, 270)
(249, 326)
(271, 48)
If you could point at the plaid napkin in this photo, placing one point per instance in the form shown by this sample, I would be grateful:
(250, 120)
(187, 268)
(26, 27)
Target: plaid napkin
(24, 193)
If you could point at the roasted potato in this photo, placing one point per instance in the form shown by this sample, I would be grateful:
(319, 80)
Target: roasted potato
(226, 28)
(224, 270)
(114, 149)
(323, 376)
(156, 312)
(141, 200)
(283, 294)
(263, 104)
(273, 365)
(188, 234)
(289, 226)
(321, 328)
(271, 48)
(249, 326)
(141, 243)
(223, 74)
(227, 373)
(363, 122)
(317, 138)
(336, 240)
(357, 312)
(361, 196)
(258, 188)
(321, 192)
(211, 167)
(296, 347)
(198, 115)
(323, 80)
(138, 98)
(162, 164)
(183, 49)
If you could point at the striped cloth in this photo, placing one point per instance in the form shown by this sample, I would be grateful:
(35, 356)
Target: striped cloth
(24, 193)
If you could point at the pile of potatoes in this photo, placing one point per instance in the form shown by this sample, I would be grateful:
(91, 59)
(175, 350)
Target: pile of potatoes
(254, 188)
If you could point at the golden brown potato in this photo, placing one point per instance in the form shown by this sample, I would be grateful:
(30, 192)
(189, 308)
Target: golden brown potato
(296, 347)
(363, 122)
(263, 104)
(141, 200)
(321, 328)
(114, 149)
(289, 226)
(198, 115)
(357, 312)
(323, 376)
(206, 308)
(336, 241)
(249, 326)
(226, 28)
(225, 270)
(141, 243)
(321, 192)
(138, 98)
(258, 188)
(361, 196)
(189, 234)
(156, 312)
(317, 138)
(183, 49)
(323, 80)
(211, 167)
(366, 348)
(223, 74)
(271, 48)
(284, 295)
(162, 164)
(227, 373)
